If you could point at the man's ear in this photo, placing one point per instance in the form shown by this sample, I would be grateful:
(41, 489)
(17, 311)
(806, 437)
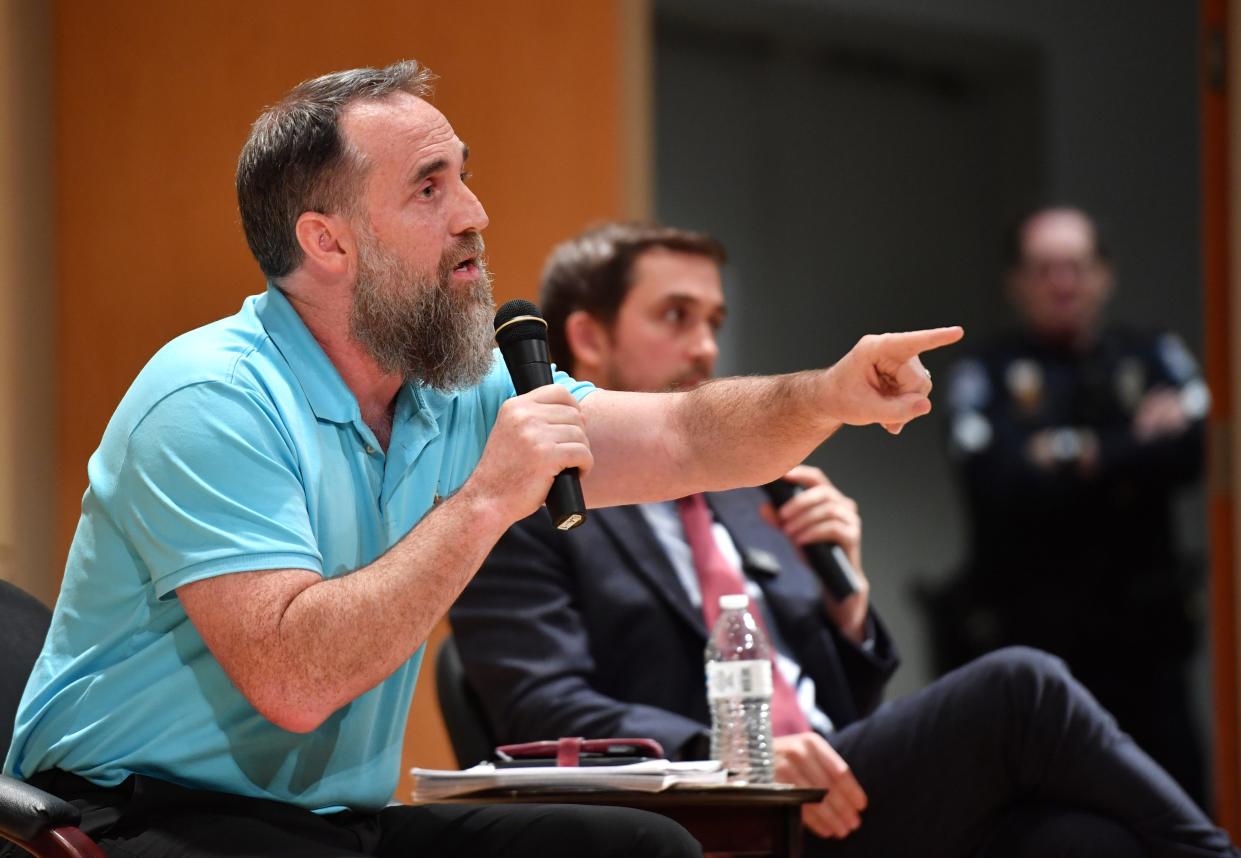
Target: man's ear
(588, 340)
(326, 241)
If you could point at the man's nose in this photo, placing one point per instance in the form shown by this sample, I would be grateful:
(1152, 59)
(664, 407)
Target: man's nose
(470, 215)
(703, 345)
(1064, 270)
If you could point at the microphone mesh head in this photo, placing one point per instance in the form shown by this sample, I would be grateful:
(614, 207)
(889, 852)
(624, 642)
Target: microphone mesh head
(513, 309)
(525, 329)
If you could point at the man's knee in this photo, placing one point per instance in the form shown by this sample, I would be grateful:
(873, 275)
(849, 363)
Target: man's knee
(1036, 688)
(1016, 682)
(1024, 664)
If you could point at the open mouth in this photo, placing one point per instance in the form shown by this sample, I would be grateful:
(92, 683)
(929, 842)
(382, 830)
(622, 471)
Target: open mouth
(466, 267)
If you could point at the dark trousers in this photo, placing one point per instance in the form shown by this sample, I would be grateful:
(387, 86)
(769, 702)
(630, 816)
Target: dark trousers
(1152, 703)
(1010, 756)
(148, 817)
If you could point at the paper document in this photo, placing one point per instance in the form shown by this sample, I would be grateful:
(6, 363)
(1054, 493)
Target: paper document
(648, 776)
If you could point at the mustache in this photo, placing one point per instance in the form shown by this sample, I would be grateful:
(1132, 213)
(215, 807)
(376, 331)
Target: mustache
(697, 374)
(468, 246)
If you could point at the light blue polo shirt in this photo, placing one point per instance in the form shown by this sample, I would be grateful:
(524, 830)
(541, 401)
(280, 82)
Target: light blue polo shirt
(237, 448)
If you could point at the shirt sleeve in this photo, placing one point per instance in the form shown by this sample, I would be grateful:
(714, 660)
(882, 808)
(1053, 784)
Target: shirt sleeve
(210, 484)
(579, 389)
(497, 386)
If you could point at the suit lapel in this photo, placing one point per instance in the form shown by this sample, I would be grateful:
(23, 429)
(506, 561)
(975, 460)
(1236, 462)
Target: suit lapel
(762, 548)
(634, 539)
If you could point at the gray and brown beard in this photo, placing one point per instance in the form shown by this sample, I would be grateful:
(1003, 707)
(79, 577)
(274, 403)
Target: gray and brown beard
(421, 326)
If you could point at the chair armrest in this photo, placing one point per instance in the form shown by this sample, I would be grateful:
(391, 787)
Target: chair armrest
(27, 811)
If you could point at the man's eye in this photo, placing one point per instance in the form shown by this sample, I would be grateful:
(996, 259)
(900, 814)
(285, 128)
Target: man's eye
(674, 315)
(427, 191)
(466, 175)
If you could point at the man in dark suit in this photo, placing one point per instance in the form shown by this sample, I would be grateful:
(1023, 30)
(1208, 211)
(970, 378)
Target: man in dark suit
(600, 632)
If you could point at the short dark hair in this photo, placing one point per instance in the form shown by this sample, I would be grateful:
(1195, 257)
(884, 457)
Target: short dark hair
(594, 271)
(1014, 238)
(296, 160)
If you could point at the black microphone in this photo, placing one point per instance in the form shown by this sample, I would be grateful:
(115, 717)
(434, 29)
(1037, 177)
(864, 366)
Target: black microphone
(827, 559)
(521, 334)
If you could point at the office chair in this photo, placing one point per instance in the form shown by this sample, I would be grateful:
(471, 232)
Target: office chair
(468, 728)
(42, 824)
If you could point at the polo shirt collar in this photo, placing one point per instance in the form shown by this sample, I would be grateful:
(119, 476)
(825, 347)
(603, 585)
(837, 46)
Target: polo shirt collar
(330, 398)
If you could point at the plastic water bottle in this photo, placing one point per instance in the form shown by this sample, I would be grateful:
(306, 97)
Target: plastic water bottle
(739, 693)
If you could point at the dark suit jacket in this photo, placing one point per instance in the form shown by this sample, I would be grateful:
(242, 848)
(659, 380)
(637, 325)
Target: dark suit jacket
(590, 633)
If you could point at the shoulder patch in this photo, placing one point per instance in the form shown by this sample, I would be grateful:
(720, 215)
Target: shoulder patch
(969, 388)
(971, 433)
(1024, 378)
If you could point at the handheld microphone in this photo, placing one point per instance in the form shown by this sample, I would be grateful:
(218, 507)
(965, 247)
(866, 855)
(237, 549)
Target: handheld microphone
(827, 559)
(521, 334)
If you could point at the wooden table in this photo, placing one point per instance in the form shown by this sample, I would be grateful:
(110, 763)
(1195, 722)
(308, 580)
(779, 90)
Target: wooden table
(737, 820)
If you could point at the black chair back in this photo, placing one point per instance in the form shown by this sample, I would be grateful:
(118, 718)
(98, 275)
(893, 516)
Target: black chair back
(468, 728)
(36, 822)
(23, 626)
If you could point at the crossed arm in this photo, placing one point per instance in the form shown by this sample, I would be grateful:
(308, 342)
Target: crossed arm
(299, 646)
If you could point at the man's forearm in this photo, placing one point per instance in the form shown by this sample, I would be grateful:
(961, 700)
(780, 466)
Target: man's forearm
(726, 433)
(303, 648)
(745, 431)
(751, 430)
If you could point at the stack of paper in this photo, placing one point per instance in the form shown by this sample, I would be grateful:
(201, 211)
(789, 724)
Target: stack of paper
(648, 776)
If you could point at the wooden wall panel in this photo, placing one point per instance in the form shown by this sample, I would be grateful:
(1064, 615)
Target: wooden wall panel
(1219, 76)
(27, 347)
(153, 102)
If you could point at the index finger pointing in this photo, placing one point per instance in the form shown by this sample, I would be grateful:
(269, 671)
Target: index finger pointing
(910, 343)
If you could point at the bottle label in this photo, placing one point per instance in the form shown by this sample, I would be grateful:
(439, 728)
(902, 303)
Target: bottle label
(738, 679)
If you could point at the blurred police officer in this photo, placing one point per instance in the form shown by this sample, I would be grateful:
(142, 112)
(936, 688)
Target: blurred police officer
(1073, 438)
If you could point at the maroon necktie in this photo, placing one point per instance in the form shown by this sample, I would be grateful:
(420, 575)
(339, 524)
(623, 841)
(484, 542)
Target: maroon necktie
(717, 577)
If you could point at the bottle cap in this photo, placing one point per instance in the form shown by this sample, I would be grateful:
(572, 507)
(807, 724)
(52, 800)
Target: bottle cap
(734, 601)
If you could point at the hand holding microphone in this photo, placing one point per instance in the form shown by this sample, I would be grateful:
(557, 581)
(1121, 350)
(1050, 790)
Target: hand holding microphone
(828, 560)
(521, 334)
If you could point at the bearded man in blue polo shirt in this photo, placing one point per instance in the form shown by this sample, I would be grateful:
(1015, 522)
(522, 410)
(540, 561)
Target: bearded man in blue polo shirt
(263, 551)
